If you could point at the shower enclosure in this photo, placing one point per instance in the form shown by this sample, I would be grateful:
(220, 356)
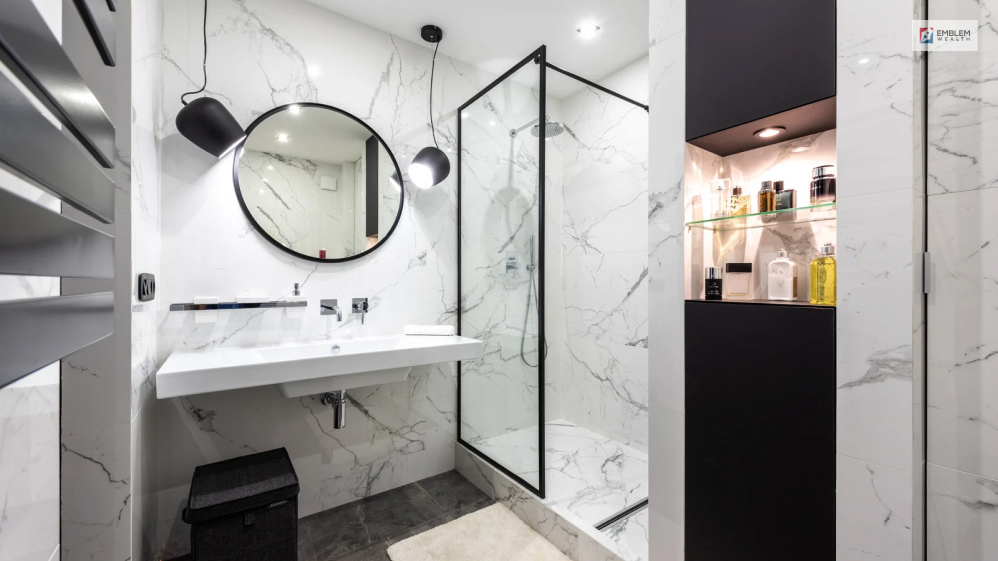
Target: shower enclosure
(553, 260)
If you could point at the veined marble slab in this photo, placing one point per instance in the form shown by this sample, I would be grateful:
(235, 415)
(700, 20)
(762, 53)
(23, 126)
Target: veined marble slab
(588, 475)
(631, 536)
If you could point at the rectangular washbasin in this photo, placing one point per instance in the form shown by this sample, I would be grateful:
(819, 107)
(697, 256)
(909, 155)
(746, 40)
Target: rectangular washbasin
(310, 368)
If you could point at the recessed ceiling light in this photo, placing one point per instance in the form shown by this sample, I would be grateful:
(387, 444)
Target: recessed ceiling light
(295, 109)
(283, 137)
(769, 131)
(864, 60)
(588, 29)
(801, 149)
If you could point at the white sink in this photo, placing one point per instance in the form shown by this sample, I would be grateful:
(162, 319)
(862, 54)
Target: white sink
(310, 368)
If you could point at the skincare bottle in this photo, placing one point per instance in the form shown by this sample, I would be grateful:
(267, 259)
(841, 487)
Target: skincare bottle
(782, 278)
(823, 281)
(713, 285)
(738, 281)
(823, 186)
(767, 197)
(720, 193)
(739, 203)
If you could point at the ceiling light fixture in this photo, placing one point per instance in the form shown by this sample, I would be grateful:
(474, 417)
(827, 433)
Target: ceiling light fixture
(205, 121)
(430, 166)
(769, 132)
(801, 149)
(588, 30)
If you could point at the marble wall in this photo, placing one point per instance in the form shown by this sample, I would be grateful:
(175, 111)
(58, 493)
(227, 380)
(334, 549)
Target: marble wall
(878, 321)
(962, 397)
(759, 246)
(666, 377)
(264, 53)
(29, 430)
(603, 376)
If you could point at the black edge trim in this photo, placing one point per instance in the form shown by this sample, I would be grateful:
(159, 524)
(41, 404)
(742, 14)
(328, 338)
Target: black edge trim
(37, 58)
(622, 514)
(35, 333)
(31, 146)
(505, 471)
(592, 84)
(96, 15)
(38, 242)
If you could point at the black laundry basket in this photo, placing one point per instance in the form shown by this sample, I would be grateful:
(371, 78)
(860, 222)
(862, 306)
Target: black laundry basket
(244, 509)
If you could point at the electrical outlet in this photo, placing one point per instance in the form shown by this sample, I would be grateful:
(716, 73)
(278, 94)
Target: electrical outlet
(147, 287)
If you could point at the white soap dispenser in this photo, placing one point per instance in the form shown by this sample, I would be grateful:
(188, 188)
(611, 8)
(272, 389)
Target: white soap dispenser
(782, 278)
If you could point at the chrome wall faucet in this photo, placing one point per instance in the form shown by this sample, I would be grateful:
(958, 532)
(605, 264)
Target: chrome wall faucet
(360, 307)
(329, 307)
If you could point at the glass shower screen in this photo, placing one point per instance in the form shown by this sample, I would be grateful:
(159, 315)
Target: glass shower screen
(501, 271)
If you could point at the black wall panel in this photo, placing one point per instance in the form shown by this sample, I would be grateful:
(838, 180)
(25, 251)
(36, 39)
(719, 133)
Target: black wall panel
(760, 432)
(748, 59)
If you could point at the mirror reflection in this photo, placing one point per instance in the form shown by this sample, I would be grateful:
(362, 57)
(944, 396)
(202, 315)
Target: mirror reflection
(318, 183)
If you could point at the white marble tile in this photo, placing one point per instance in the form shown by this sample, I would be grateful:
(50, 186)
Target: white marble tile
(29, 467)
(631, 535)
(962, 522)
(96, 515)
(574, 537)
(873, 513)
(961, 131)
(875, 97)
(963, 333)
(874, 329)
(588, 475)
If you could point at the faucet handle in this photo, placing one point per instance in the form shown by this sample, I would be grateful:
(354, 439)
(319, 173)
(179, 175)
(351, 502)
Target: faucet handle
(360, 306)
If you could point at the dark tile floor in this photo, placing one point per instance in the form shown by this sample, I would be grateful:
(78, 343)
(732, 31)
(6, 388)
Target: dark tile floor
(363, 530)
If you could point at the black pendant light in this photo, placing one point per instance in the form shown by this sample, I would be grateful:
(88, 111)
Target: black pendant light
(430, 166)
(205, 121)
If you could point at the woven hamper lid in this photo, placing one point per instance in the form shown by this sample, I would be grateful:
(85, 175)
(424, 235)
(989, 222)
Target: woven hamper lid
(240, 484)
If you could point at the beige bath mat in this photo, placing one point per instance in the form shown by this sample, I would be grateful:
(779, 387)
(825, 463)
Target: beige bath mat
(490, 534)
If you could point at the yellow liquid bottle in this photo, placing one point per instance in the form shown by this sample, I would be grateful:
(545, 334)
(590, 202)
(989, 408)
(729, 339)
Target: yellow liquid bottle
(823, 277)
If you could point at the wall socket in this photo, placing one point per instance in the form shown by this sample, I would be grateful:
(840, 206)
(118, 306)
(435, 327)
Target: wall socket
(147, 287)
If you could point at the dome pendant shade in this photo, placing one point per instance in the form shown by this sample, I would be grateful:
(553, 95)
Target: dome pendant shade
(429, 167)
(210, 126)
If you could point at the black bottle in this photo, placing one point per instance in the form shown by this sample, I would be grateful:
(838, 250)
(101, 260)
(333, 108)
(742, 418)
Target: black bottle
(713, 287)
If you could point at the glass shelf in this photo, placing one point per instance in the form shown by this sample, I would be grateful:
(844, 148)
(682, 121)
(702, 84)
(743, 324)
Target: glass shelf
(799, 215)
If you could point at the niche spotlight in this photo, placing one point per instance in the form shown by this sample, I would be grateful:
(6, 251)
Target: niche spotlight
(769, 132)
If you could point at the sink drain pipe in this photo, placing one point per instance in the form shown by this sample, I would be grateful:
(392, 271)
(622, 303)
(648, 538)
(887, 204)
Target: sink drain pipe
(338, 401)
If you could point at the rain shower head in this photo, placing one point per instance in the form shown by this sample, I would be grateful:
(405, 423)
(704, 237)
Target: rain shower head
(550, 129)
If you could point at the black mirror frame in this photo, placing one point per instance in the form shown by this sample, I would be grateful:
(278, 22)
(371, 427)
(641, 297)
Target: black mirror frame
(256, 225)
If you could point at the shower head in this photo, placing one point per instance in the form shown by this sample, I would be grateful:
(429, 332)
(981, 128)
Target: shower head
(550, 129)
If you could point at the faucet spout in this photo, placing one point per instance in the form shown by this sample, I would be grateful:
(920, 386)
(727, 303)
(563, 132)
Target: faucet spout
(329, 307)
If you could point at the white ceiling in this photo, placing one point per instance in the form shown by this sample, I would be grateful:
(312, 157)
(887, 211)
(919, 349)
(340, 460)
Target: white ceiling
(315, 134)
(496, 34)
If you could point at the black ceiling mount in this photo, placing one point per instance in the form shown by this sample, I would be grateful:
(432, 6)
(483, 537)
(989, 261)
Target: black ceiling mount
(431, 33)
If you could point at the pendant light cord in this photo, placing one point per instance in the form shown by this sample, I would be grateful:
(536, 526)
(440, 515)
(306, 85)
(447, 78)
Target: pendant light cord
(204, 63)
(433, 67)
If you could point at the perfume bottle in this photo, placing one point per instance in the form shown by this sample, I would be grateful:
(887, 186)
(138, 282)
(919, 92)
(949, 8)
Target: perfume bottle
(738, 281)
(823, 186)
(720, 193)
(823, 279)
(713, 284)
(767, 197)
(782, 278)
(739, 203)
(785, 199)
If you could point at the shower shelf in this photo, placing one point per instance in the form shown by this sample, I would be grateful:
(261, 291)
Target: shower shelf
(799, 215)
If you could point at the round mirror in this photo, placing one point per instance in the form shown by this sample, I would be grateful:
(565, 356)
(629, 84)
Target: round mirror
(318, 183)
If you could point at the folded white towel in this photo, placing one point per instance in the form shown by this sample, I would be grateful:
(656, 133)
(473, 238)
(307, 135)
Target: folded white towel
(430, 330)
